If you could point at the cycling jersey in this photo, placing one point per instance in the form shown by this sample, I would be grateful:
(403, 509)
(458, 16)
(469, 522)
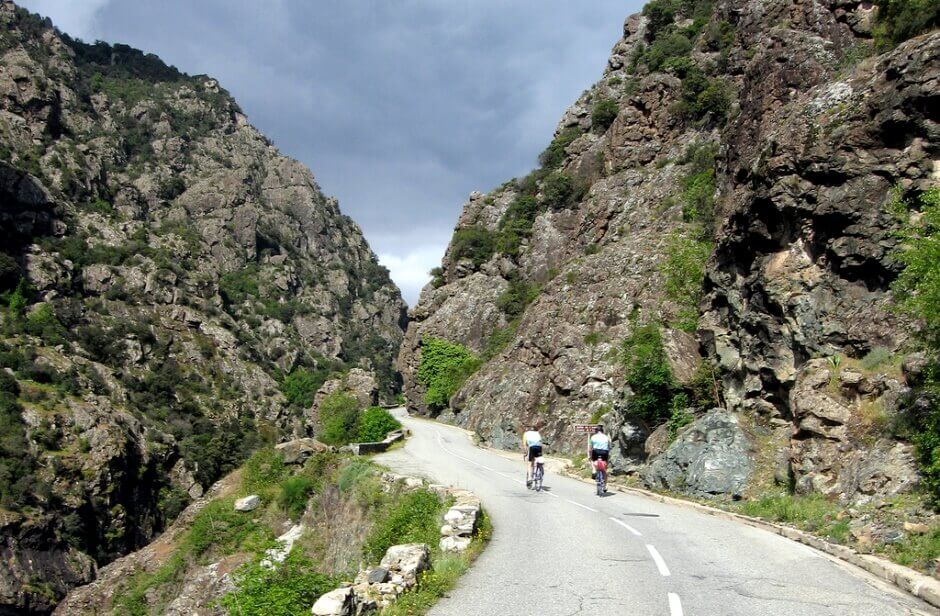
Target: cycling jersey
(600, 442)
(532, 438)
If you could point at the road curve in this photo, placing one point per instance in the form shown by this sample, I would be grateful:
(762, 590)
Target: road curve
(566, 551)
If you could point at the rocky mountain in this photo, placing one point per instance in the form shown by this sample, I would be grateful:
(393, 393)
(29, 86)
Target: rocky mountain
(703, 260)
(174, 292)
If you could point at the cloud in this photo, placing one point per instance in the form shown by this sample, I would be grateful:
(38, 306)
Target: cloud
(409, 268)
(74, 17)
(399, 108)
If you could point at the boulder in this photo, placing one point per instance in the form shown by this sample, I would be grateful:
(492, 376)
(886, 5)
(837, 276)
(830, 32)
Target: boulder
(339, 602)
(298, 450)
(249, 503)
(407, 560)
(710, 458)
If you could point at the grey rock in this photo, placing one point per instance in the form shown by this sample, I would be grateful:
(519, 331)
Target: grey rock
(248, 503)
(710, 458)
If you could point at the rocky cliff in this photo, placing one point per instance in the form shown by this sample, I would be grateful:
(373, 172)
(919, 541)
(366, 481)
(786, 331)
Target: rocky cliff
(711, 226)
(174, 292)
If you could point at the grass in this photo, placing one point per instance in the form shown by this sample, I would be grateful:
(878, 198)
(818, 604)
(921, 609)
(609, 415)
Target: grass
(442, 576)
(813, 513)
(915, 551)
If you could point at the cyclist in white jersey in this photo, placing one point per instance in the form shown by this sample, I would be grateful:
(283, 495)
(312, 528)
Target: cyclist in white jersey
(532, 448)
(598, 448)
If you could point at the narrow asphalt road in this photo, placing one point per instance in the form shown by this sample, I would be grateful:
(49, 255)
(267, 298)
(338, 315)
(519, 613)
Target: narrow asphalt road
(566, 551)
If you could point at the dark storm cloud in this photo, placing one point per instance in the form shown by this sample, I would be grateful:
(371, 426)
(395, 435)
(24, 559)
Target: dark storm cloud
(400, 108)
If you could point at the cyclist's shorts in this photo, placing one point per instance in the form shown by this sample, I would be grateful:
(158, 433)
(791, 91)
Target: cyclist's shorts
(534, 452)
(600, 454)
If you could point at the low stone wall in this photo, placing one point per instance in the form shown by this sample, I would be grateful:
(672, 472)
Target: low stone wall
(360, 449)
(377, 587)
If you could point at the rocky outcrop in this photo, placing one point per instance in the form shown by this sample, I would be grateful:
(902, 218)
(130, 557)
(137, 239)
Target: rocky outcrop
(358, 383)
(712, 457)
(768, 153)
(833, 450)
(171, 267)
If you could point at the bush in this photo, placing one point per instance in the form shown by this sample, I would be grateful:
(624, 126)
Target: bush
(516, 224)
(262, 470)
(9, 272)
(42, 322)
(414, 519)
(285, 590)
(517, 296)
(683, 272)
(705, 386)
(375, 423)
(339, 419)
(474, 243)
(443, 369)
(899, 20)
(301, 385)
(294, 494)
(604, 113)
(648, 374)
(560, 191)
(665, 49)
(235, 287)
(917, 291)
(660, 15)
(554, 155)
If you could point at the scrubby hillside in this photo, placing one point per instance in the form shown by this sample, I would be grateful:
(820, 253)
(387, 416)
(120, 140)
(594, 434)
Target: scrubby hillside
(174, 292)
(717, 222)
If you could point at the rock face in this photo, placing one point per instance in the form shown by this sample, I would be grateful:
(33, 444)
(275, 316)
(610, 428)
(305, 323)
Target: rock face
(170, 266)
(766, 153)
(710, 458)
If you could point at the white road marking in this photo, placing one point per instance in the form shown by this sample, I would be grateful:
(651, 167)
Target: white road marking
(581, 506)
(628, 527)
(660, 563)
(675, 606)
(550, 494)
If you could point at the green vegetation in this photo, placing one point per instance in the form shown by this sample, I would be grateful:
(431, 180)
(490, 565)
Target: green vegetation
(648, 374)
(603, 113)
(813, 513)
(679, 415)
(474, 243)
(917, 292)
(294, 494)
(684, 272)
(919, 551)
(442, 577)
(263, 469)
(235, 287)
(443, 369)
(375, 423)
(554, 155)
(698, 187)
(437, 277)
(414, 519)
(300, 386)
(339, 419)
(561, 191)
(517, 296)
(499, 339)
(899, 20)
(286, 590)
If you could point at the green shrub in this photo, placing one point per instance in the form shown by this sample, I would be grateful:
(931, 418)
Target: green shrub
(679, 415)
(876, 358)
(8, 384)
(474, 243)
(899, 20)
(604, 112)
(286, 590)
(414, 519)
(666, 48)
(443, 369)
(683, 272)
(554, 155)
(499, 339)
(560, 191)
(660, 15)
(351, 474)
(648, 374)
(714, 101)
(339, 419)
(236, 287)
(263, 469)
(917, 288)
(294, 494)
(516, 224)
(437, 277)
(705, 386)
(9, 272)
(301, 385)
(43, 322)
(375, 423)
(517, 296)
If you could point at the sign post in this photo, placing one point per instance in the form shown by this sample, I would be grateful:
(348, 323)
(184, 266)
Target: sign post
(584, 427)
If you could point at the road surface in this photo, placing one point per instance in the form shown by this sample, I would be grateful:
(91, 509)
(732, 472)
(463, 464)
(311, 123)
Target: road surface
(566, 551)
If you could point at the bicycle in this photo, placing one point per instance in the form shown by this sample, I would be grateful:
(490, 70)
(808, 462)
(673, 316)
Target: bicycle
(601, 477)
(538, 474)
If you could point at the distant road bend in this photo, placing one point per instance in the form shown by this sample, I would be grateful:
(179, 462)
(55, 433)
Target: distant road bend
(565, 551)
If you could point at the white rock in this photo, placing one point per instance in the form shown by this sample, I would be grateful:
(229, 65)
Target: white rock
(339, 602)
(249, 503)
(454, 544)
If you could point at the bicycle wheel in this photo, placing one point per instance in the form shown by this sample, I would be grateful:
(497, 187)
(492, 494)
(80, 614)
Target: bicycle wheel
(539, 472)
(600, 482)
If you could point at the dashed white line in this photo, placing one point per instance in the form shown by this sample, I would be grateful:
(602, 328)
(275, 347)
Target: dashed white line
(581, 506)
(660, 563)
(675, 606)
(628, 527)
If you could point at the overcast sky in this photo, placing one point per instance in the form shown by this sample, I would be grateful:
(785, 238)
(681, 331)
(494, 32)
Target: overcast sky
(400, 108)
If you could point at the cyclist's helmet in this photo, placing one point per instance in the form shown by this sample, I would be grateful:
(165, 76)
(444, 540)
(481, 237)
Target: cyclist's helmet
(598, 428)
